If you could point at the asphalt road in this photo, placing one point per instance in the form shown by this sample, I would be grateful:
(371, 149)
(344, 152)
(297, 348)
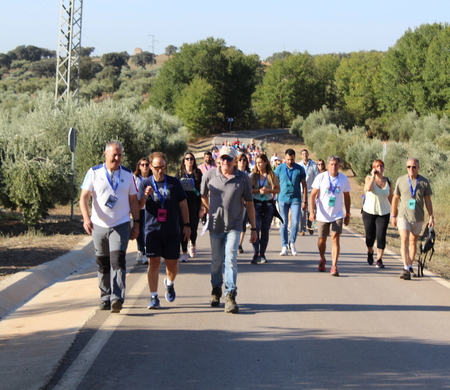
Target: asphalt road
(297, 328)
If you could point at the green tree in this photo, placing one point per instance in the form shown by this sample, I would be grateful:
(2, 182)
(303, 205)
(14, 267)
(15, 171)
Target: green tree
(5, 60)
(143, 59)
(327, 90)
(171, 50)
(355, 79)
(116, 60)
(278, 56)
(43, 68)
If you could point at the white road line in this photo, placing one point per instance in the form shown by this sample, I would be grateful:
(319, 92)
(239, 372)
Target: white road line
(78, 369)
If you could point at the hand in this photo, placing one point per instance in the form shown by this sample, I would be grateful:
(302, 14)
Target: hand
(312, 216)
(134, 231)
(88, 226)
(186, 233)
(253, 237)
(347, 220)
(148, 191)
(394, 221)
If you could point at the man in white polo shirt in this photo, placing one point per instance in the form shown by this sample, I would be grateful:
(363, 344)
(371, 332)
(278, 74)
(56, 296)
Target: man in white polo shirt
(114, 196)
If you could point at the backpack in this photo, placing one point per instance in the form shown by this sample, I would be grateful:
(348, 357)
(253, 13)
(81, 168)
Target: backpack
(426, 247)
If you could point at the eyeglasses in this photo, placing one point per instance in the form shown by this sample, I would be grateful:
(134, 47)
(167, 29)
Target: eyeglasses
(226, 158)
(189, 158)
(159, 168)
(411, 167)
(243, 159)
(144, 165)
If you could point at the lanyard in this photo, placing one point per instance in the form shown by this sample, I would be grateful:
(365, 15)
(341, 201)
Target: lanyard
(116, 182)
(333, 189)
(413, 191)
(261, 185)
(289, 170)
(162, 198)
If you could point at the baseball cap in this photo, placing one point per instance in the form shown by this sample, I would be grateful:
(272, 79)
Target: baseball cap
(227, 151)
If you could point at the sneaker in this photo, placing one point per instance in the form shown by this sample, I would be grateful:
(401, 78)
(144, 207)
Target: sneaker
(105, 305)
(216, 293)
(380, 264)
(154, 303)
(302, 233)
(170, 292)
(262, 259)
(370, 258)
(116, 306)
(334, 271)
(293, 249)
(255, 259)
(411, 271)
(139, 257)
(284, 251)
(406, 275)
(230, 303)
(322, 267)
(192, 250)
(240, 250)
(184, 257)
(144, 259)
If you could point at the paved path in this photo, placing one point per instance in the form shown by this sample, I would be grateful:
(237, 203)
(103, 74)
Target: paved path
(297, 328)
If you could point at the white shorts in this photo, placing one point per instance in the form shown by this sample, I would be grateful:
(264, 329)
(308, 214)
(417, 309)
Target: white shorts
(413, 227)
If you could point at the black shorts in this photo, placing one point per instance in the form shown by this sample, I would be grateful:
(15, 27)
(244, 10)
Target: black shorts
(167, 247)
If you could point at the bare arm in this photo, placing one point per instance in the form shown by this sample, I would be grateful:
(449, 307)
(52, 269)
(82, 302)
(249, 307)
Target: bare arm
(305, 195)
(312, 204)
(134, 208)
(429, 207)
(347, 204)
(84, 206)
(251, 217)
(185, 216)
(205, 201)
(394, 209)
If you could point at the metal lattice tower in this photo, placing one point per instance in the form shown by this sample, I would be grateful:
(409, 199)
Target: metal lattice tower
(69, 51)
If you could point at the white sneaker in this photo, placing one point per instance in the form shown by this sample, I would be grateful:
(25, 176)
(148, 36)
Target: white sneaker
(192, 250)
(139, 257)
(144, 259)
(284, 251)
(184, 257)
(293, 250)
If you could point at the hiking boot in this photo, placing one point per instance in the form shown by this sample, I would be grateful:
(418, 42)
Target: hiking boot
(154, 303)
(411, 271)
(105, 305)
(293, 249)
(334, 271)
(380, 264)
(116, 306)
(262, 259)
(255, 259)
(215, 296)
(240, 250)
(284, 251)
(230, 303)
(370, 258)
(406, 275)
(322, 267)
(170, 291)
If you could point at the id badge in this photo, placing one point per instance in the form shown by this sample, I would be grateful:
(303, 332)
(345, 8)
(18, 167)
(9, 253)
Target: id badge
(111, 201)
(332, 201)
(162, 215)
(412, 204)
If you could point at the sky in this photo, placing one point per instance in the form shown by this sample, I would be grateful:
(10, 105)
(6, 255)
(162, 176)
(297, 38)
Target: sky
(255, 27)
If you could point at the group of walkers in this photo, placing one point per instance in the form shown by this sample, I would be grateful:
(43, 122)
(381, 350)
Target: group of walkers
(166, 211)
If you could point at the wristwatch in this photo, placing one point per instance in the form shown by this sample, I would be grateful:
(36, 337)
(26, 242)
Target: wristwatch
(136, 221)
(187, 224)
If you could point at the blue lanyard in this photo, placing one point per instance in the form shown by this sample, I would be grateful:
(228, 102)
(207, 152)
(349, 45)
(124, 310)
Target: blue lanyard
(287, 172)
(116, 183)
(413, 191)
(261, 185)
(333, 189)
(162, 198)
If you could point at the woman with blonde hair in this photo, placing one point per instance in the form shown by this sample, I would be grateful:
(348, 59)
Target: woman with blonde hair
(264, 186)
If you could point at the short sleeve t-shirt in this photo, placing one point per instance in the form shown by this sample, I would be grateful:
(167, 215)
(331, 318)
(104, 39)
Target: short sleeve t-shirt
(290, 179)
(167, 194)
(98, 182)
(226, 209)
(330, 187)
(422, 189)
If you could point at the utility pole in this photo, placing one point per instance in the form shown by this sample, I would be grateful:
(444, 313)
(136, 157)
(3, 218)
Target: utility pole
(69, 51)
(152, 46)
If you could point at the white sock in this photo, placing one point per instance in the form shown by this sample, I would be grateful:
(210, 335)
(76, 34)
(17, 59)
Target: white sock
(406, 267)
(153, 294)
(169, 282)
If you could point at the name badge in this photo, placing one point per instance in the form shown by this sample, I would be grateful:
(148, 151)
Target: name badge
(332, 201)
(111, 201)
(162, 215)
(412, 204)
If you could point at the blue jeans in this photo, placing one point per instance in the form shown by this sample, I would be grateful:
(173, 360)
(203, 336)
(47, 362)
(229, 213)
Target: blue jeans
(263, 216)
(295, 215)
(224, 247)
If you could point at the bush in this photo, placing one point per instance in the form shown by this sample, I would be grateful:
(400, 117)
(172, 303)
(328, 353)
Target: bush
(360, 156)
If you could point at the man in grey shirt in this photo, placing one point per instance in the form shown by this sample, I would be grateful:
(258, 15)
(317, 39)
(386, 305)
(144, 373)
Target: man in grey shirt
(224, 191)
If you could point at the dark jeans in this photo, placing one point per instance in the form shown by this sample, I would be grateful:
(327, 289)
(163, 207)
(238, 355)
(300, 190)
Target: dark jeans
(376, 227)
(263, 215)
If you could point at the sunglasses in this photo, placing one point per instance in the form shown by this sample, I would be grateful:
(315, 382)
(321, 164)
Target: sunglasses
(243, 159)
(189, 158)
(144, 165)
(159, 168)
(411, 167)
(226, 158)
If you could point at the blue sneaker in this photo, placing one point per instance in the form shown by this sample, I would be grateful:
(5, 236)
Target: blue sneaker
(170, 292)
(154, 303)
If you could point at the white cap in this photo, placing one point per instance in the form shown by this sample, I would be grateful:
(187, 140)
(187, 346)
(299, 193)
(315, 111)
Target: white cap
(227, 151)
